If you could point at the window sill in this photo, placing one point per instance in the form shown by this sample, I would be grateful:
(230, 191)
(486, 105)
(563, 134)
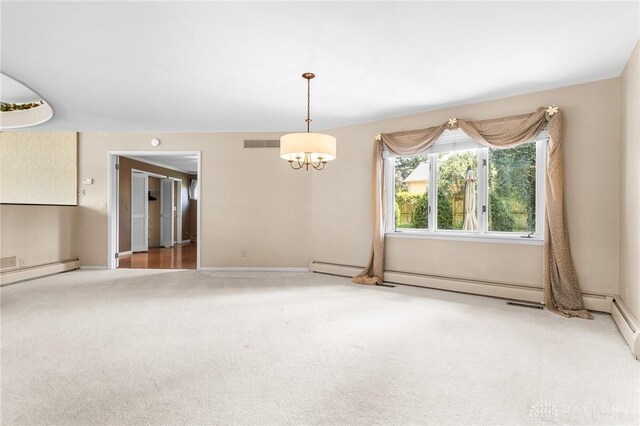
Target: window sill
(455, 236)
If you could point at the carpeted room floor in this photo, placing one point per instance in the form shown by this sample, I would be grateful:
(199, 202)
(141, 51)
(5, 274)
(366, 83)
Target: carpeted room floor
(167, 347)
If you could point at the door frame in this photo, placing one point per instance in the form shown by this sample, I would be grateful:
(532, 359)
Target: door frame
(113, 202)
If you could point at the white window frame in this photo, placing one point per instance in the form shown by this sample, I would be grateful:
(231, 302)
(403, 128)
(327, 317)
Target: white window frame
(457, 141)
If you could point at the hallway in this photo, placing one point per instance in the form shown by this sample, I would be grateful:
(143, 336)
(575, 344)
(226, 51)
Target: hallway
(180, 256)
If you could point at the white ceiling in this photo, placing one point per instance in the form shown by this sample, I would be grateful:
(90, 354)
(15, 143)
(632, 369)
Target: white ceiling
(176, 66)
(186, 163)
(12, 91)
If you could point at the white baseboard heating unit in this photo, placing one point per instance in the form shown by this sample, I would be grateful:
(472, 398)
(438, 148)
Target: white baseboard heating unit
(16, 275)
(595, 302)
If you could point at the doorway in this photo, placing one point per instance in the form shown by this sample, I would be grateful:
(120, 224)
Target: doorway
(154, 211)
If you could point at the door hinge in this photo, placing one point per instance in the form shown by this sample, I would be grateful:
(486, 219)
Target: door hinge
(484, 162)
(484, 209)
(117, 255)
(117, 166)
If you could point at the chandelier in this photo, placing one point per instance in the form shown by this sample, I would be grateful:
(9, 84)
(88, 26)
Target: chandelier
(308, 149)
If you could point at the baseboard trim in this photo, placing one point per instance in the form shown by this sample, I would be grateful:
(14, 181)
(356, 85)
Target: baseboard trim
(125, 253)
(33, 272)
(594, 302)
(185, 242)
(251, 269)
(628, 325)
(93, 268)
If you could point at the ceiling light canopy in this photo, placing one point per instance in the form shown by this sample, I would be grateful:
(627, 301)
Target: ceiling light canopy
(302, 150)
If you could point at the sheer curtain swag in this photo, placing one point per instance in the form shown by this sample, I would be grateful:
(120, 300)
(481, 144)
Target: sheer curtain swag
(561, 289)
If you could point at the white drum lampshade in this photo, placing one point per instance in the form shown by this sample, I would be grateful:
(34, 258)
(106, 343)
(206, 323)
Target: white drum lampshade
(295, 146)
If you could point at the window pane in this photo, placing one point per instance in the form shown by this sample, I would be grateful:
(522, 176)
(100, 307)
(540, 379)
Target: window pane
(411, 190)
(512, 189)
(457, 190)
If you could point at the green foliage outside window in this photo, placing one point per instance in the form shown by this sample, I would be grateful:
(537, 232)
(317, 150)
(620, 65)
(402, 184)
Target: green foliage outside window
(445, 212)
(407, 209)
(512, 190)
(502, 220)
(420, 212)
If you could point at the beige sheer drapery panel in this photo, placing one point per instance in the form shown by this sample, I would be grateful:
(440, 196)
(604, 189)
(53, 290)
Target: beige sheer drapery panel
(561, 289)
(401, 143)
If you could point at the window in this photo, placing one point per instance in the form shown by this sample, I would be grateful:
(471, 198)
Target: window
(459, 188)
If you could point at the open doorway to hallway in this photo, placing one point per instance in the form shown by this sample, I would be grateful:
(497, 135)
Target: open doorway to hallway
(156, 215)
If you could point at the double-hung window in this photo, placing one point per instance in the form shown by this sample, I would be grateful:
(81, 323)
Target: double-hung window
(459, 188)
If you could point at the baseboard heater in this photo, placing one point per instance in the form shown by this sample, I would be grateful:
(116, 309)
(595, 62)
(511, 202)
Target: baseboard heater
(628, 324)
(523, 293)
(23, 274)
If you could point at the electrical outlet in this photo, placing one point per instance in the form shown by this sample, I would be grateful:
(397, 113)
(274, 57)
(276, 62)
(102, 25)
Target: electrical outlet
(243, 252)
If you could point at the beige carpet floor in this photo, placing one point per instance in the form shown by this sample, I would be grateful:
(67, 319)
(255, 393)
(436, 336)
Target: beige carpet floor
(183, 347)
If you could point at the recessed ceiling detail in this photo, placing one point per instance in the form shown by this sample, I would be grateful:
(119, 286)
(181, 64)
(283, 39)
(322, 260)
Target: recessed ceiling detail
(20, 106)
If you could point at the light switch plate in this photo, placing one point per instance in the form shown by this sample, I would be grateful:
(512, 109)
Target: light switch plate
(87, 181)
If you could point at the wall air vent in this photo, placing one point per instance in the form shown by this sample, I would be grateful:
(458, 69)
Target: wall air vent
(262, 143)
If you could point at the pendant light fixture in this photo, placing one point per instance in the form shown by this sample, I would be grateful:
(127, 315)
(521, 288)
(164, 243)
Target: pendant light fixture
(308, 149)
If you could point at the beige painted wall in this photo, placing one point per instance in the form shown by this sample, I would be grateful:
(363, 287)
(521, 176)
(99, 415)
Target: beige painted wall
(630, 183)
(250, 198)
(38, 235)
(341, 201)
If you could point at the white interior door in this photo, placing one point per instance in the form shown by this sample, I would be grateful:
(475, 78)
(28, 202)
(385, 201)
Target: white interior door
(179, 211)
(139, 212)
(166, 212)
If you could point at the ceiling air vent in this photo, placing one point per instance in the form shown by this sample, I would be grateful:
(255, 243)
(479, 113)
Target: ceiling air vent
(262, 143)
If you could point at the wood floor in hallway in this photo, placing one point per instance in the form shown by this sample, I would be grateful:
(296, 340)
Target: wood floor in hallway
(180, 256)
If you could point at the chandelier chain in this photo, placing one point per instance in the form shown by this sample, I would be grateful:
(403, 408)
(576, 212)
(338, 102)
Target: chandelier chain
(308, 120)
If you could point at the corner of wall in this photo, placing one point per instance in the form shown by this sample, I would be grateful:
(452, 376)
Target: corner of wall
(629, 182)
